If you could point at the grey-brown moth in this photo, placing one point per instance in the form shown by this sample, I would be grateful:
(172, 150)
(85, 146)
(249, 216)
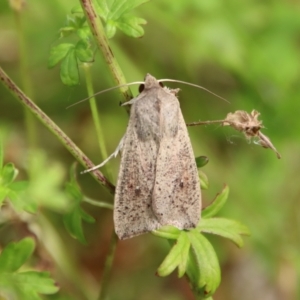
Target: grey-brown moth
(158, 181)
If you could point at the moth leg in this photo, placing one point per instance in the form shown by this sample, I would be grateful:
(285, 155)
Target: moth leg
(114, 154)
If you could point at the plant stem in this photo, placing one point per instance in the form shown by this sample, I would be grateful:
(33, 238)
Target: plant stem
(108, 267)
(95, 114)
(98, 203)
(26, 85)
(63, 138)
(102, 42)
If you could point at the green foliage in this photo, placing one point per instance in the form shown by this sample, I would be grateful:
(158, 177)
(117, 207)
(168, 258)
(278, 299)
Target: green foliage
(245, 51)
(194, 255)
(9, 188)
(76, 215)
(116, 15)
(25, 285)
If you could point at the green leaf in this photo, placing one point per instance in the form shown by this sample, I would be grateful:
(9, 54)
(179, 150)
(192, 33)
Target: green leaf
(83, 52)
(57, 53)
(8, 174)
(184, 258)
(74, 218)
(20, 202)
(73, 223)
(19, 186)
(102, 9)
(116, 16)
(77, 9)
(14, 255)
(64, 32)
(217, 204)
(175, 256)
(201, 161)
(69, 74)
(85, 34)
(167, 232)
(3, 193)
(131, 26)
(33, 282)
(121, 7)
(46, 184)
(208, 273)
(226, 228)
(110, 29)
(203, 180)
(1, 153)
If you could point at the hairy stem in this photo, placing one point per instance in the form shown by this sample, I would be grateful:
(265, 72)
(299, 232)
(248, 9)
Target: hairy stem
(102, 42)
(63, 138)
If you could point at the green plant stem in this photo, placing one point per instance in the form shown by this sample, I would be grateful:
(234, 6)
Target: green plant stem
(63, 138)
(108, 267)
(102, 42)
(26, 84)
(95, 114)
(98, 203)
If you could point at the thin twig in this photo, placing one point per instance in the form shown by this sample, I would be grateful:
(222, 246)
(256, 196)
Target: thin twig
(64, 139)
(102, 42)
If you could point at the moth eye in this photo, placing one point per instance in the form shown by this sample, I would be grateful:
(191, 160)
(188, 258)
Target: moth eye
(141, 87)
(161, 84)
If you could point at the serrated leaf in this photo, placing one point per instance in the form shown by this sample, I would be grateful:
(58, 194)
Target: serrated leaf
(57, 53)
(209, 273)
(69, 70)
(201, 161)
(121, 7)
(102, 9)
(226, 228)
(174, 257)
(8, 174)
(75, 21)
(83, 52)
(14, 255)
(167, 232)
(217, 204)
(84, 33)
(131, 26)
(36, 282)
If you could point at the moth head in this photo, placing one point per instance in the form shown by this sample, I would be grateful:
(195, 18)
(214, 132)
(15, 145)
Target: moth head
(150, 83)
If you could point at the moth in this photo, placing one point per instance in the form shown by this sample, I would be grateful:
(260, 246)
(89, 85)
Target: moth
(158, 181)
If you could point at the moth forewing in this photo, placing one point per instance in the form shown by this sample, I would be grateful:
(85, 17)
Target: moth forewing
(176, 194)
(158, 181)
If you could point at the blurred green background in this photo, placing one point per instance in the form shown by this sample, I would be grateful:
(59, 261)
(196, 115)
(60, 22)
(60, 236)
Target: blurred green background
(245, 51)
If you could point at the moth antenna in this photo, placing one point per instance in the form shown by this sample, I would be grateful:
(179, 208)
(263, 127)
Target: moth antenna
(106, 90)
(194, 85)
